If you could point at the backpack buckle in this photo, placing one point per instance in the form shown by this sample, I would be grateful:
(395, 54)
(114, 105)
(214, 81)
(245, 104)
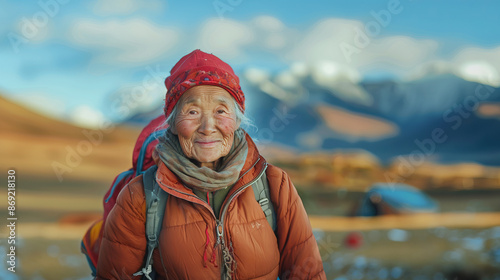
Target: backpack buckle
(152, 238)
(263, 201)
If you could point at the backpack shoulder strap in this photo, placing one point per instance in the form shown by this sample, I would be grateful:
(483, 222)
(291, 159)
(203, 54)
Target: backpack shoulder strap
(142, 153)
(156, 201)
(263, 197)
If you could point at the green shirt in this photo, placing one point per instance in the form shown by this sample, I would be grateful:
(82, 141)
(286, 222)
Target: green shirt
(216, 198)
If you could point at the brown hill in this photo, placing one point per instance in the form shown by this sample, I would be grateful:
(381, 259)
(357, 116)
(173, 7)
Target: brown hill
(17, 119)
(42, 147)
(20, 120)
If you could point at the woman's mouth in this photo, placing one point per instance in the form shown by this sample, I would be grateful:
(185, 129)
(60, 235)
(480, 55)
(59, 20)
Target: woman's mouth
(207, 143)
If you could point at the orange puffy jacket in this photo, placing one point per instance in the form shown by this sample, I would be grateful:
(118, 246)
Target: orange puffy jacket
(291, 253)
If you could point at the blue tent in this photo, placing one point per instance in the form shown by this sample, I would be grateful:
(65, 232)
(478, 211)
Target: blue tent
(383, 199)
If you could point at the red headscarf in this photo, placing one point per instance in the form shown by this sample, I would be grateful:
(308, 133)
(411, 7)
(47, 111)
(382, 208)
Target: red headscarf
(200, 68)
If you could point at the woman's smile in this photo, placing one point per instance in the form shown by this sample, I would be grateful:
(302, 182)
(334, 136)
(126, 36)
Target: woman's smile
(207, 144)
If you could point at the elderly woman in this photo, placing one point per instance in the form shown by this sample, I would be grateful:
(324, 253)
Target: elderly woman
(213, 226)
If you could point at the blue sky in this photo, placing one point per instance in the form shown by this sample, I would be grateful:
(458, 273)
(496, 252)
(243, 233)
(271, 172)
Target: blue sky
(71, 59)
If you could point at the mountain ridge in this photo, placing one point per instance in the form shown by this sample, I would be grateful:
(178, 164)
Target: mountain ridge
(416, 107)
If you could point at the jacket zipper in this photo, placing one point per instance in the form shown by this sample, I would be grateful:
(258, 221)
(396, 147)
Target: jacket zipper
(220, 222)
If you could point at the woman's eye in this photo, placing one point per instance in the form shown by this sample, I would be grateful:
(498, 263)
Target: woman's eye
(220, 111)
(192, 112)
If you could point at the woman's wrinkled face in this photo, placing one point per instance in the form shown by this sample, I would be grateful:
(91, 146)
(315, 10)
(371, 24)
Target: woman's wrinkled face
(205, 124)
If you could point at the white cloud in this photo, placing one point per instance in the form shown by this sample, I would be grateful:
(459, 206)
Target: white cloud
(285, 86)
(287, 79)
(138, 41)
(271, 33)
(318, 51)
(124, 41)
(269, 23)
(256, 76)
(262, 79)
(471, 64)
(225, 38)
(479, 71)
(475, 53)
(86, 116)
(341, 80)
(322, 41)
(399, 52)
(479, 65)
(327, 72)
(232, 39)
(299, 69)
(339, 40)
(124, 7)
(399, 55)
(133, 99)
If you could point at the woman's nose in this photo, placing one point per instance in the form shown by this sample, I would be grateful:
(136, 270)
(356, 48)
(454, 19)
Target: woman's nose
(207, 125)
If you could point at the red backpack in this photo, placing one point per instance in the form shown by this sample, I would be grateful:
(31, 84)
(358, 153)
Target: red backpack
(141, 161)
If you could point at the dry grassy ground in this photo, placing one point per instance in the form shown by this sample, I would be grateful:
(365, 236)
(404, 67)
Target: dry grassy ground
(51, 225)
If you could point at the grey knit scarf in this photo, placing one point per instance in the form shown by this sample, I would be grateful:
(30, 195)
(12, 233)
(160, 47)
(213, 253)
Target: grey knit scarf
(204, 178)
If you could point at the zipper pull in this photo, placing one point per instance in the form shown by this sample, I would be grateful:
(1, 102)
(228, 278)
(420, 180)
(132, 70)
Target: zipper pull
(220, 237)
(217, 245)
(219, 233)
